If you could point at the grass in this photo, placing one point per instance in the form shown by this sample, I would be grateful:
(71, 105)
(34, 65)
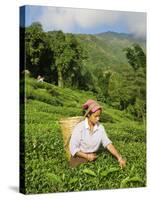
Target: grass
(46, 165)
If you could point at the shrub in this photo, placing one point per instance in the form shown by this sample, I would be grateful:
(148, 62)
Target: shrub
(105, 117)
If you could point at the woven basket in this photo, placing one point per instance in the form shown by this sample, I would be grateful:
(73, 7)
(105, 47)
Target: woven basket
(67, 125)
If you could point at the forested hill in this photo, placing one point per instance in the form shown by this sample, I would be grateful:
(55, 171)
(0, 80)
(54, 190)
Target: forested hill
(110, 65)
(105, 50)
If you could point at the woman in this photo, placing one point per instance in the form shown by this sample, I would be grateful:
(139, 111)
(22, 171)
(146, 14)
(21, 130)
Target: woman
(88, 135)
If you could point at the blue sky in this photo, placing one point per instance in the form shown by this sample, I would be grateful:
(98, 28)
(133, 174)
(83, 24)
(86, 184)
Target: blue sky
(90, 21)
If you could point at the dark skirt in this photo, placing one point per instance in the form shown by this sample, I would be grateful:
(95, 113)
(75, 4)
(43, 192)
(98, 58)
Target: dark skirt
(75, 161)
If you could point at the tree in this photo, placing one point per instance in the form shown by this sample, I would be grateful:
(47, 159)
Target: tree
(75, 55)
(67, 57)
(102, 83)
(136, 57)
(54, 55)
(34, 45)
(57, 43)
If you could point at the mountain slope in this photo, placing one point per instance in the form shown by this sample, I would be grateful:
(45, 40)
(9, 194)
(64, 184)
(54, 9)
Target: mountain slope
(105, 50)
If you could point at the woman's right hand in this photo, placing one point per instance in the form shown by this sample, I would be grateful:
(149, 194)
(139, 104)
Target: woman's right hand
(91, 156)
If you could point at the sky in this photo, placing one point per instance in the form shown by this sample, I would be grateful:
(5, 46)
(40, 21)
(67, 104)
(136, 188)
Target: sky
(87, 21)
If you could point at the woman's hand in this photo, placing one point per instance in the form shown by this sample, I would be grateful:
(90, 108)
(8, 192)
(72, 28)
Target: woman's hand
(91, 156)
(122, 162)
(114, 152)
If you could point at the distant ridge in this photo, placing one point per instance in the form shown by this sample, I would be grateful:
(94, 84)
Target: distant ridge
(119, 35)
(111, 33)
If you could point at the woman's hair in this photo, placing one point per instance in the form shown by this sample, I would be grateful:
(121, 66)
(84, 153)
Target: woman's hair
(84, 112)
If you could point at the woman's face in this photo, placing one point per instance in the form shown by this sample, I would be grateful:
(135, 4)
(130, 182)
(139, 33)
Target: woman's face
(94, 117)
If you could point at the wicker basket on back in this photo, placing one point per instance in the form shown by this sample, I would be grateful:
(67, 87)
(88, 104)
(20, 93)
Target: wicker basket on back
(67, 125)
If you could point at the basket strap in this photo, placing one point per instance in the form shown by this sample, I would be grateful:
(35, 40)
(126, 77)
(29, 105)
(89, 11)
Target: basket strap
(68, 140)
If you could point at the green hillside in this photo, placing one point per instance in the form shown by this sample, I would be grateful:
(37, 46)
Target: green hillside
(42, 148)
(105, 50)
(110, 65)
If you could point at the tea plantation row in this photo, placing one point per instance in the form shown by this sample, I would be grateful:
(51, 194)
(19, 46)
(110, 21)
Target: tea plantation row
(46, 165)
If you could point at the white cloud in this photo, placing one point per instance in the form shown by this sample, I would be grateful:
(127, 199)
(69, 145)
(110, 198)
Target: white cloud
(57, 18)
(136, 23)
(68, 19)
(91, 18)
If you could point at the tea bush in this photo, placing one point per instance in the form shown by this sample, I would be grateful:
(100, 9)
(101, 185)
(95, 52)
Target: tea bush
(46, 164)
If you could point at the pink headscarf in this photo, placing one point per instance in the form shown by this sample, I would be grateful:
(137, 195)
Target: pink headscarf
(91, 106)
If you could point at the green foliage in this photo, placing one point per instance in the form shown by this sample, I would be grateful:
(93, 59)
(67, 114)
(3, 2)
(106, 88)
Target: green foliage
(127, 132)
(46, 165)
(111, 65)
(88, 171)
(106, 117)
(34, 42)
(128, 180)
(60, 52)
(136, 57)
(107, 172)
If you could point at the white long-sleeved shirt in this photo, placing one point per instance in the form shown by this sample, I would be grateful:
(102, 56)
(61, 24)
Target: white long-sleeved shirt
(83, 140)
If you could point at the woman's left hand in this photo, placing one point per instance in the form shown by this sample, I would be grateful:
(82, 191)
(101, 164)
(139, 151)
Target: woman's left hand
(122, 163)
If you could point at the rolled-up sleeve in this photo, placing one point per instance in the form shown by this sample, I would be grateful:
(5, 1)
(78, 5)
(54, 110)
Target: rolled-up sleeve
(105, 139)
(74, 144)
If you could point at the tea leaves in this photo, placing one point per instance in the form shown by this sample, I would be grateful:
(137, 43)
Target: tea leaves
(44, 158)
(90, 172)
(107, 172)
